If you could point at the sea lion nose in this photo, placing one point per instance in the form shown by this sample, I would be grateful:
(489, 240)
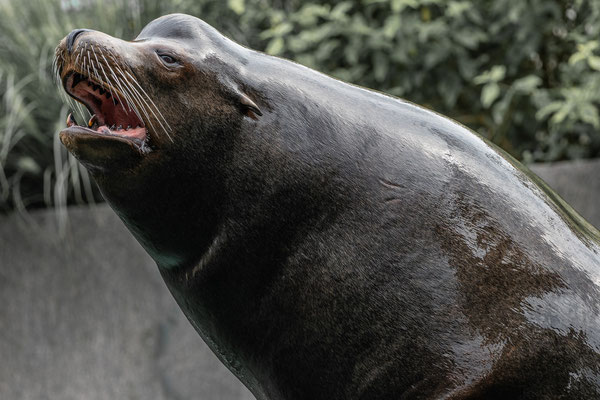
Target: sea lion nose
(72, 36)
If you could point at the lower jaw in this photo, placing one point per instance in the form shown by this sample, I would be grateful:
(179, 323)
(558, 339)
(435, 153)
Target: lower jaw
(95, 127)
(93, 147)
(133, 133)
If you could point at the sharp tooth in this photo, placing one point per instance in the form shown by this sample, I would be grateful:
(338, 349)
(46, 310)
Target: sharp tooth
(112, 128)
(70, 120)
(92, 120)
(120, 127)
(128, 127)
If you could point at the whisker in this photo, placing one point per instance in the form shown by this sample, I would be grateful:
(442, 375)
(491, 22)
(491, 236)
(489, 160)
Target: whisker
(93, 66)
(150, 108)
(147, 105)
(148, 97)
(130, 95)
(130, 101)
(112, 95)
(142, 106)
(97, 62)
(132, 92)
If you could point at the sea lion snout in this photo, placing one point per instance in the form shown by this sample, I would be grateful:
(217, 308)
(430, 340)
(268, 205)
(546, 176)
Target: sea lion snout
(140, 90)
(72, 36)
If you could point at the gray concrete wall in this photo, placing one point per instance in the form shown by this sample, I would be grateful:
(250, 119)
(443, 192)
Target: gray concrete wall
(578, 182)
(87, 316)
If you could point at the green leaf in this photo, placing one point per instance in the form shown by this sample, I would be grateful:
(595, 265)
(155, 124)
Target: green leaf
(495, 74)
(237, 6)
(527, 84)
(548, 109)
(489, 94)
(392, 26)
(594, 62)
(457, 8)
(584, 51)
(399, 5)
(562, 113)
(275, 46)
(589, 113)
(340, 11)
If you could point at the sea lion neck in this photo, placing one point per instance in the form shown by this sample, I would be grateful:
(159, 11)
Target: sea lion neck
(177, 224)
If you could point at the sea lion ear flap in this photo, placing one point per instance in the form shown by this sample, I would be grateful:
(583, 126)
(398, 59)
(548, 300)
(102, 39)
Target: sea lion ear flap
(250, 107)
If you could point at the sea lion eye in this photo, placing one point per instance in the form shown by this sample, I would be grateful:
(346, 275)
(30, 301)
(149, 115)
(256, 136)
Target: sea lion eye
(167, 59)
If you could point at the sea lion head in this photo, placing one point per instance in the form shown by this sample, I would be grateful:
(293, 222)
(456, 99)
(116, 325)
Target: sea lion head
(166, 108)
(164, 90)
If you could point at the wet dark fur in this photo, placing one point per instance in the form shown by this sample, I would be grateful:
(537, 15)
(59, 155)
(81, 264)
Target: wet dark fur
(347, 244)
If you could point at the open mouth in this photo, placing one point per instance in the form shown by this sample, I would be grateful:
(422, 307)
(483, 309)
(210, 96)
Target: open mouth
(111, 116)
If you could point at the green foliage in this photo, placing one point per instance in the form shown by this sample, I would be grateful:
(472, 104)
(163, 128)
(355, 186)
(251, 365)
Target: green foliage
(524, 73)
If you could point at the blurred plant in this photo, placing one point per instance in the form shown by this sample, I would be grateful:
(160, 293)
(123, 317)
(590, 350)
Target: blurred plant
(35, 170)
(523, 73)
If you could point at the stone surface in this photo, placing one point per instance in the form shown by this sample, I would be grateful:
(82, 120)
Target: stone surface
(578, 182)
(86, 316)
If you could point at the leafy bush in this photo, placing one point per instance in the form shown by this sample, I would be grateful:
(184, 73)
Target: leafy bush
(524, 73)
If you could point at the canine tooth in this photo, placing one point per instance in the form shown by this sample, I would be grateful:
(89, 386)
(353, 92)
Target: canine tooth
(119, 127)
(70, 120)
(92, 120)
(112, 127)
(128, 127)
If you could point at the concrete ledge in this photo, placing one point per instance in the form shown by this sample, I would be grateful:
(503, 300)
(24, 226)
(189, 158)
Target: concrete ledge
(87, 317)
(578, 182)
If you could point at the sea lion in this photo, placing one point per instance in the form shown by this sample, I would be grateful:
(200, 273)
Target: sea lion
(328, 241)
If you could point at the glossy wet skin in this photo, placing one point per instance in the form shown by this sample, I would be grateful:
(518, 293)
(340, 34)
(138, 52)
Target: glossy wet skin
(331, 242)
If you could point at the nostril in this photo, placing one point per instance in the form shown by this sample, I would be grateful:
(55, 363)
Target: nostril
(72, 36)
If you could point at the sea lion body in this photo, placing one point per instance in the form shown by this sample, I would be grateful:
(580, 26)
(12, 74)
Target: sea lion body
(331, 242)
